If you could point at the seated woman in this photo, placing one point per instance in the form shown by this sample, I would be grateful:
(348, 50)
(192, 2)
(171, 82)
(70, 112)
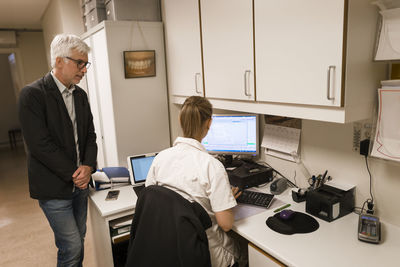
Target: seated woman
(189, 170)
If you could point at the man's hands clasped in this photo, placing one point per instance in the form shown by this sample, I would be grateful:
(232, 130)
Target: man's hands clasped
(81, 176)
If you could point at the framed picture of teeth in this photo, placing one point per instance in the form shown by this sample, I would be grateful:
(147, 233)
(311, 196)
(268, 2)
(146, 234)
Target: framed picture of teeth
(139, 64)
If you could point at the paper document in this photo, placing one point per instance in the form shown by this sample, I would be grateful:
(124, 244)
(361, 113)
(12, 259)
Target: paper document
(280, 141)
(389, 36)
(100, 177)
(387, 135)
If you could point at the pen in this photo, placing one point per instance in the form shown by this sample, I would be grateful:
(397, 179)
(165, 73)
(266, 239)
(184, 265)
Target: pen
(282, 208)
(317, 182)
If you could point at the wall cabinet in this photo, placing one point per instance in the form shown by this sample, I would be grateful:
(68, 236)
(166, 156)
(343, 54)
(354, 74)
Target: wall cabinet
(315, 52)
(130, 115)
(227, 31)
(183, 47)
(307, 59)
(299, 48)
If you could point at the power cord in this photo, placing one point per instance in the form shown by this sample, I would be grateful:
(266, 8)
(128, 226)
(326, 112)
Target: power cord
(364, 149)
(291, 184)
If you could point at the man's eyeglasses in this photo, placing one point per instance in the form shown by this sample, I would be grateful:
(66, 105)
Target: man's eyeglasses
(80, 63)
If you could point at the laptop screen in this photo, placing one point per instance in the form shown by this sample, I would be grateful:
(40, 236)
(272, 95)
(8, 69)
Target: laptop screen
(139, 167)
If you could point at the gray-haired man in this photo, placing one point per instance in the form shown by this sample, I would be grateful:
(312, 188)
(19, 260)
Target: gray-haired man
(57, 125)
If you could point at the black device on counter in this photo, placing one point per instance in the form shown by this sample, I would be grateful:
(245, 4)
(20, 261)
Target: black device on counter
(278, 186)
(329, 203)
(112, 195)
(248, 174)
(369, 228)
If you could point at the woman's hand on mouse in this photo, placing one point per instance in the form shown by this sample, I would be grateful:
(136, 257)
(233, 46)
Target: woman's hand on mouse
(236, 192)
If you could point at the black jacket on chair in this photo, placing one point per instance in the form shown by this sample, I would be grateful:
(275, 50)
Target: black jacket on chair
(168, 230)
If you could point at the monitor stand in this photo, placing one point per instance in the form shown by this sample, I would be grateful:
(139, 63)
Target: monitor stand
(229, 162)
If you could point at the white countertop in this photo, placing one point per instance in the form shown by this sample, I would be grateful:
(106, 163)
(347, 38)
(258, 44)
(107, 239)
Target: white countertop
(333, 244)
(126, 200)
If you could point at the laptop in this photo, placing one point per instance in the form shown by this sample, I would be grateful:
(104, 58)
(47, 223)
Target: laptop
(138, 166)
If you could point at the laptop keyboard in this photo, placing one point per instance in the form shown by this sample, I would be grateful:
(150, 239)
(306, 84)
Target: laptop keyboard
(255, 198)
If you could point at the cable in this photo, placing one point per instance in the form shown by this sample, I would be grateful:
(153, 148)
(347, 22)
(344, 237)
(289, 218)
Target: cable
(370, 180)
(294, 178)
(277, 172)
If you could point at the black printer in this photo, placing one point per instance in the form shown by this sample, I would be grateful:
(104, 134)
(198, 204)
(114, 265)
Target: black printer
(329, 203)
(249, 174)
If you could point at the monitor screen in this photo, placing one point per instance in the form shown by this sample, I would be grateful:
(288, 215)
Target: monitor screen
(232, 134)
(139, 167)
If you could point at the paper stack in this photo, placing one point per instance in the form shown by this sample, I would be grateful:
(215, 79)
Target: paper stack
(282, 142)
(386, 143)
(110, 177)
(388, 43)
(120, 229)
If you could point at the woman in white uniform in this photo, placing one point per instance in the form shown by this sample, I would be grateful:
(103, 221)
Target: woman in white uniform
(189, 170)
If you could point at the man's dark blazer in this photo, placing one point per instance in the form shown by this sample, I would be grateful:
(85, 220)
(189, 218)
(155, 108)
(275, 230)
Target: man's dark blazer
(49, 136)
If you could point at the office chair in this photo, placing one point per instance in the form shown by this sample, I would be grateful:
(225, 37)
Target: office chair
(168, 230)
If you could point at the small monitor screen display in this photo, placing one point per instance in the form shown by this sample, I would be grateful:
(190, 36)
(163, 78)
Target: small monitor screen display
(230, 134)
(140, 168)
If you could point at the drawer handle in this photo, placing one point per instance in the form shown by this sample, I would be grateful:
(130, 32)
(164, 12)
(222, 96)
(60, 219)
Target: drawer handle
(196, 77)
(328, 91)
(247, 82)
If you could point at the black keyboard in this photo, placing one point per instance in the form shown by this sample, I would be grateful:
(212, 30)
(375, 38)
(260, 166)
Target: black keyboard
(255, 198)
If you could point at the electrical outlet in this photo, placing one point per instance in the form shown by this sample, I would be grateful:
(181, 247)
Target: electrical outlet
(361, 130)
(356, 136)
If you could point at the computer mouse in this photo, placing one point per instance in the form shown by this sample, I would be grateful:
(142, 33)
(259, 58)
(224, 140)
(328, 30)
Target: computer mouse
(286, 214)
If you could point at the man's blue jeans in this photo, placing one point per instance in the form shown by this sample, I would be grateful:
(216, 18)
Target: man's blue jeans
(67, 218)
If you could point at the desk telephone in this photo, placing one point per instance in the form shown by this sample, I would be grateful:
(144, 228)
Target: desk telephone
(369, 228)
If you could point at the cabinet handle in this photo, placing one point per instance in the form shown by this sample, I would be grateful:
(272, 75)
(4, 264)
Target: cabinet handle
(247, 82)
(196, 77)
(328, 91)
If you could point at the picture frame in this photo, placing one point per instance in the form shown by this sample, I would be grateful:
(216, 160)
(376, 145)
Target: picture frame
(140, 63)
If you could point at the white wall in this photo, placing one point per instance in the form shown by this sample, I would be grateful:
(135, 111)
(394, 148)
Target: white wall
(32, 55)
(328, 146)
(61, 16)
(31, 65)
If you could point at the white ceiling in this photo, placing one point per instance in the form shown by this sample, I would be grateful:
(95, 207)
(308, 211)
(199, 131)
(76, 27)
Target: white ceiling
(22, 14)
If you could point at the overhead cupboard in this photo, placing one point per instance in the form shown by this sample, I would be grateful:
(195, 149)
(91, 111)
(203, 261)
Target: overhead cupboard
(182, 41)
(310, 59)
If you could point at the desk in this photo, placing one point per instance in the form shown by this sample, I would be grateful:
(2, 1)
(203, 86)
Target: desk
(333, 244)
(101, 212)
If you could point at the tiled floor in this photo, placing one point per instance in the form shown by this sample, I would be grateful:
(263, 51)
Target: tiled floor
(26, 238)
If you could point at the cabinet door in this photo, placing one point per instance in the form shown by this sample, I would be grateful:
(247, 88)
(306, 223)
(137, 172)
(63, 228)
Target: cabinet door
(90, 83)
(299, 51)
(259, 258)
(227, 31)
(183, 47)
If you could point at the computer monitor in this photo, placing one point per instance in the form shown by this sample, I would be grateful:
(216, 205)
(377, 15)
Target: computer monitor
(139, 166)
(233, 134)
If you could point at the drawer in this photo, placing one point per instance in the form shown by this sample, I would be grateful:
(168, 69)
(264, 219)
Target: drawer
(110, 10)
(143, 10)
(91, 4)
(95, 16)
